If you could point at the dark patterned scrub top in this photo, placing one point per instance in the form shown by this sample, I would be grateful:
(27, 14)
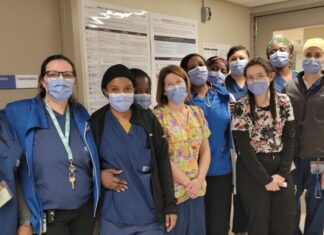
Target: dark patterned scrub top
(265, 135)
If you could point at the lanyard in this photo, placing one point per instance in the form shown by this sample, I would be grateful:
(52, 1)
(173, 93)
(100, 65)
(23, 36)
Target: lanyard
(64, 137)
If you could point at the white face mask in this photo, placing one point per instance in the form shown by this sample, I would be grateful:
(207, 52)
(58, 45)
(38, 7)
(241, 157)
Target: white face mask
(144, 100)
(121, 102)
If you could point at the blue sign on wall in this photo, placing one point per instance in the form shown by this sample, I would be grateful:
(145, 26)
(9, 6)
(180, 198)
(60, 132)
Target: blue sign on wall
(7, 82)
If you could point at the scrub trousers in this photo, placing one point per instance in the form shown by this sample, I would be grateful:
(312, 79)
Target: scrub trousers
(314, 223)
(109, 227)
(269, 213)
(191, 218)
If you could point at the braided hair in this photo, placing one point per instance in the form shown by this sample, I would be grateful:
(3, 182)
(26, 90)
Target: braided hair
(269, 69)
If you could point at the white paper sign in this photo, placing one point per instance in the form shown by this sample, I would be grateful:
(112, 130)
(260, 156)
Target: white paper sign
(113, 35)
(26, 81)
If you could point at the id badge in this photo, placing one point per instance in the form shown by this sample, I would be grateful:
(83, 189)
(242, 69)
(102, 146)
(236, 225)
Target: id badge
(44, 224)
(5, 193)
(317, 167)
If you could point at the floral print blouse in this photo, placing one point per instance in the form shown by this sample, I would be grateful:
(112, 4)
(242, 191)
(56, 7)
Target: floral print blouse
(265, 135)
(184, 143)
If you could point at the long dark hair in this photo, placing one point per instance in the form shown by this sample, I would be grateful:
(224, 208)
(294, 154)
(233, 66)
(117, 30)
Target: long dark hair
(234, 49)
(49, 59)
(269, 71)
(185, 61)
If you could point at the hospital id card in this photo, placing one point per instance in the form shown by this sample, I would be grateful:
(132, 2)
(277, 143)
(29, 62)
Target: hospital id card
(5, 193)
(317, 167)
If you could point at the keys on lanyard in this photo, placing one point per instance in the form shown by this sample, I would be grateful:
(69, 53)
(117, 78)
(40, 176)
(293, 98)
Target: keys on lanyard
(72, 178)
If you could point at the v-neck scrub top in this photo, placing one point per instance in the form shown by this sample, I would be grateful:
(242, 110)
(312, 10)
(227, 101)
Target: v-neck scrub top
(185, 140)
(128, 152)
(279, 82)
(51, 167)
(234, 88)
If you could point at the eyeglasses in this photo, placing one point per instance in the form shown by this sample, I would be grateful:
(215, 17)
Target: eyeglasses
(68, 75)
(256, 78)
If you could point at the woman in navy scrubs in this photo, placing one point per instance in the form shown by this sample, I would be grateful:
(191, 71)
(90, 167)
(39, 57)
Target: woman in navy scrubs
(138, 195)
(10, 154)
(60, 168)
(235, 82)
(237, 58)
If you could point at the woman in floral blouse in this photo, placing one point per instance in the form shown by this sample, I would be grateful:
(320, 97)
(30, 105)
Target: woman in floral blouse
(187, 132)
(263, 129)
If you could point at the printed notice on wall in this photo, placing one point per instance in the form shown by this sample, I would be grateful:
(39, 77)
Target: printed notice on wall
(113, 35)
(172, 38)
(18, 81)
(215, 49)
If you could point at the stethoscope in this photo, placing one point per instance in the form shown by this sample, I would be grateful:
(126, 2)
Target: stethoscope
(211, 103)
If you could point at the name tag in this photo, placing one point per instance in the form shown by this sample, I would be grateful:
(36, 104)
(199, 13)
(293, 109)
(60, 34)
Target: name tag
(317, 167)
(44, 224)
(5, 193)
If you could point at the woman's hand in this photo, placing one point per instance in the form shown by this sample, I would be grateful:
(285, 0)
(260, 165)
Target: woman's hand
(194, 188)
(170, 221)
(278, 179)
(111, 182)
(322, 181)
(25, 230)
(272, 186)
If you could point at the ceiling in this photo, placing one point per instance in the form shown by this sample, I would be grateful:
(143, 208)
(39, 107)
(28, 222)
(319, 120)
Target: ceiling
(255, 3)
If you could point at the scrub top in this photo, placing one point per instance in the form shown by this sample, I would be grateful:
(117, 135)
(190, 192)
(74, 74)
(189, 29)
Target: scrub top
(279, 82)
(185, 140)
(215, 107)
(234, 88)
(129, 152)
(51, 166)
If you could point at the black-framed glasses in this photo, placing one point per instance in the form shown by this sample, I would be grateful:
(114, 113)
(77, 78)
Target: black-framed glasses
(56, 74)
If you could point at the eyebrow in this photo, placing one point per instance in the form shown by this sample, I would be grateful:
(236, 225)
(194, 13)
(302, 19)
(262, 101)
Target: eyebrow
(249, 76)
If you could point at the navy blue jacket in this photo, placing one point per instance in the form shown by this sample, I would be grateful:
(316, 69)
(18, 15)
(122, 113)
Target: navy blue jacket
(10, 154)
(28, 115)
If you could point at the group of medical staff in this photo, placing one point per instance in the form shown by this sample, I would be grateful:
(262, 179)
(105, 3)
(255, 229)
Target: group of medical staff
(238, 131)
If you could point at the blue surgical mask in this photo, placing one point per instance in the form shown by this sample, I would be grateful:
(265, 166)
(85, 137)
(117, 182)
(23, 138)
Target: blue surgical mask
(176, 94)
(279, 59)
(121, 101)
(198, 75)
(258, 87)
(217, 78)
(312, 65)
(237, 67)
(60, 89)
(144, 100)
